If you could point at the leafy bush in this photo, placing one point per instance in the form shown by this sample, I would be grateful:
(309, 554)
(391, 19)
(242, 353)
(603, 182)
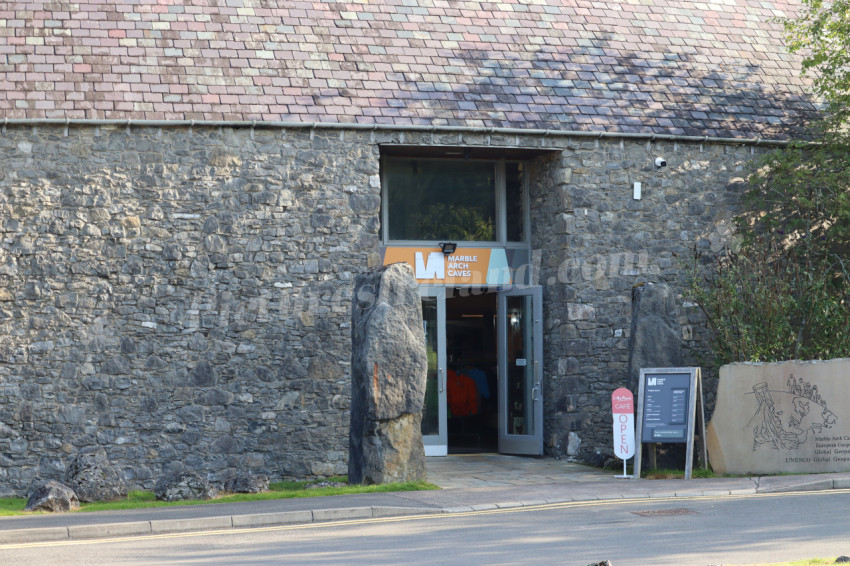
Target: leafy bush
(785, 292)
(763, 308)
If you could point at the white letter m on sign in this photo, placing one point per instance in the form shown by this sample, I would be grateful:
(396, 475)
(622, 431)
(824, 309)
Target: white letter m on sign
(434, 269)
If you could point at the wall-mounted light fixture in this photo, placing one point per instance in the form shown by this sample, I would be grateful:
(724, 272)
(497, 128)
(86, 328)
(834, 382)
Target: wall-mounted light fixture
(448, 247)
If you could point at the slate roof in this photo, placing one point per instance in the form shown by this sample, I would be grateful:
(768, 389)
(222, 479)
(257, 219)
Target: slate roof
(713, 67)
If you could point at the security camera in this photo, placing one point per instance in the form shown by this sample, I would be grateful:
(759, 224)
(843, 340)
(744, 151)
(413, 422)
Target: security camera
(660, 162)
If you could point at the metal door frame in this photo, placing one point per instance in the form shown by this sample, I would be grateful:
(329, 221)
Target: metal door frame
(525, 444)
(437, 444)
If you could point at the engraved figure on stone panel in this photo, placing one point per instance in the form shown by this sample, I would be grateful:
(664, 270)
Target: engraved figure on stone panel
(784, 419)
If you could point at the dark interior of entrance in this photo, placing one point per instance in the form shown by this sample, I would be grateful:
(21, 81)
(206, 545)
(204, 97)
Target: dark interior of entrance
(471, 384)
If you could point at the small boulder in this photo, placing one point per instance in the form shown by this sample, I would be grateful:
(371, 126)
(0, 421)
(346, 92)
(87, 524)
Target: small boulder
(52, 496)
(247, 484)
(183, 485)
(93, 478)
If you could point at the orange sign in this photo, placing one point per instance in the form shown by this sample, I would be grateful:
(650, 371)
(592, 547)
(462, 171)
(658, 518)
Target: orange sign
(466, 266)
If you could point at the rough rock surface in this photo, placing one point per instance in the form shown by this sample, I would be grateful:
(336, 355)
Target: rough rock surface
(52, 496)
(174, 298)
(183, 485)
(93, 478)
(656, 335)
(247, 484)
(388, 378)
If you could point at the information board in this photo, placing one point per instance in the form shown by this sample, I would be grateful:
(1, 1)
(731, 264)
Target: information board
(669, 400)
(665, 407)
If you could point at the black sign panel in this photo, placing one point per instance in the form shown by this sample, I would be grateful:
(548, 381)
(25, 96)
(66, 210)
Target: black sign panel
(665, 407)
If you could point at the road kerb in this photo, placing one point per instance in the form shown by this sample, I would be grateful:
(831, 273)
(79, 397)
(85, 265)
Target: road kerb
(484, 507)
(38, 534)
(109, 530)
(665, 494)
(388, 511)
(533, 503)
(264, 519)
(819, 485)
(564, 500)
(194, 524)
(342, 513)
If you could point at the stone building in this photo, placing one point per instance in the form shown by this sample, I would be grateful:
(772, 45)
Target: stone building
(188, 189)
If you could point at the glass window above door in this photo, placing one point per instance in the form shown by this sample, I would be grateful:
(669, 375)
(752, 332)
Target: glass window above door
(453, 200)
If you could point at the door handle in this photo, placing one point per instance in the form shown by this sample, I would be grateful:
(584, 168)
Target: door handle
(441, 384)
(535, 392)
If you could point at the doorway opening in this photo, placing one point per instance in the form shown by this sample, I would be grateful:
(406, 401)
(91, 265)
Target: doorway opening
(472, 370)
(483, 384)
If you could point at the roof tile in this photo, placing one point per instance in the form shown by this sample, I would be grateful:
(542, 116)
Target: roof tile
(635, 65)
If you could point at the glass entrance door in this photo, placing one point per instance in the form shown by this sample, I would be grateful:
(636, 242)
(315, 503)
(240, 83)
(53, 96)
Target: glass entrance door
(434, 412)
(520, 331)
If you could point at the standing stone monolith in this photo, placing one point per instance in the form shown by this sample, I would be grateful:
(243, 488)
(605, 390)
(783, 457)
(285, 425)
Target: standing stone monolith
(388, 369)
(656, 335)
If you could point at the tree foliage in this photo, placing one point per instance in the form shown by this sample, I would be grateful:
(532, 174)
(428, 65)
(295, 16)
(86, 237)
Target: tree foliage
(798, 202)
(821, 33)
(764, 307)
(784, 293)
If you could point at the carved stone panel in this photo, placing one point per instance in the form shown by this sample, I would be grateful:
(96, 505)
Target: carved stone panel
(787, 417)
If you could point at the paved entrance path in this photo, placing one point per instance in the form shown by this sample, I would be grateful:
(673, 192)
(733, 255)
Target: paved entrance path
(489, 470)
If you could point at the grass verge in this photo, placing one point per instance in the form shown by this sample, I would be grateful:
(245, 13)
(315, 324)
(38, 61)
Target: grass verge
(277, 490)
(665, 474)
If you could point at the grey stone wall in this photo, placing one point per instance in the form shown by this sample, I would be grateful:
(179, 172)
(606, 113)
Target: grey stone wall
(181, 297)
(596, 242)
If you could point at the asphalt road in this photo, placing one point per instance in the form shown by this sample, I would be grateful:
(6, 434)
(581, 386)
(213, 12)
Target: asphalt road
(678, 531)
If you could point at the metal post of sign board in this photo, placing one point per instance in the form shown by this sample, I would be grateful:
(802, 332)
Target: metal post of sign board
(701, 414)
(667, 410)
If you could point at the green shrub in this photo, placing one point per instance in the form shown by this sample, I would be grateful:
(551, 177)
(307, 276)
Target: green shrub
(784, 293)
(763, 308)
